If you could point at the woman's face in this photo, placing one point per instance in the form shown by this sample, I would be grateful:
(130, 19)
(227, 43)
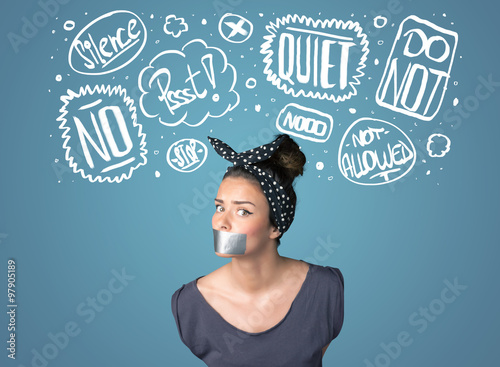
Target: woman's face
(241, 207)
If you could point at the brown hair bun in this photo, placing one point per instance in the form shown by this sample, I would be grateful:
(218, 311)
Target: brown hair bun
(289, 157)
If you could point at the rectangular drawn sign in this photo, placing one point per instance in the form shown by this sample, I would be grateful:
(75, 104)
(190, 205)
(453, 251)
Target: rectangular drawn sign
(305, 123)
(418, 69)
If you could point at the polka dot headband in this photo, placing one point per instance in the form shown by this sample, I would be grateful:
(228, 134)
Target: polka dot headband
(282, 209)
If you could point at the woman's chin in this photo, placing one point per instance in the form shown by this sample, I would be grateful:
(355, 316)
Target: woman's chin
(227, 255)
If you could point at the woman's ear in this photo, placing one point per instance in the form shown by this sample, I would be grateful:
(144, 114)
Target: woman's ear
(275, 233)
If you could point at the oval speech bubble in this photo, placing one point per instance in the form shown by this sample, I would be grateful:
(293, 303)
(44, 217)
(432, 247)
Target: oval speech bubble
(187, 155)
(108, 43)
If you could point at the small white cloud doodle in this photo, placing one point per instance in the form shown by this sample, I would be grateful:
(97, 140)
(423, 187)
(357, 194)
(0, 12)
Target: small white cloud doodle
(188, 86)
(375, 152)
(438, 145)
(103, 122)
(175, 26)
(418, 69)
(108, 43)
(234, 28)
(187, 155)
(315, 58)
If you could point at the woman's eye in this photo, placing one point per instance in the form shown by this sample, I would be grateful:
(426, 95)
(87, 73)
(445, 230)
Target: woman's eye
(219, 208)
(243, 212)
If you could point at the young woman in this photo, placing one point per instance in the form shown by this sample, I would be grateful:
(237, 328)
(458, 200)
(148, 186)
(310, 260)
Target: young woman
(260, 309)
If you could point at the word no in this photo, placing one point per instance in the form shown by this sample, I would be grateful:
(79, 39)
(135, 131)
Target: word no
(107, 130)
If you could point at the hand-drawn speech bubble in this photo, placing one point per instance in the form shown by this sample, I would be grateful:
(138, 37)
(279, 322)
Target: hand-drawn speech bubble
(188, 86)
(187, 155)
(108, 43)
(375, 152)
(305, 123)
(102, 123)
(438, 145)
(418, 69)
(315, 58)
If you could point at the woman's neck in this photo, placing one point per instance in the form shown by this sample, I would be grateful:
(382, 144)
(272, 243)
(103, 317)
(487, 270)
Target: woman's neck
(256, 273)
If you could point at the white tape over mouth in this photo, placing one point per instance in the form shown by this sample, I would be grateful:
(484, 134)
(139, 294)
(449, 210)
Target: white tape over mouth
(229, 243)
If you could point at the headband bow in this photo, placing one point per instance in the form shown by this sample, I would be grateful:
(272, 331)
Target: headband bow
(282, 209)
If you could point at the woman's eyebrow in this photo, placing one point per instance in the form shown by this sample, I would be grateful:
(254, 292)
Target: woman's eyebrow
(235, 202)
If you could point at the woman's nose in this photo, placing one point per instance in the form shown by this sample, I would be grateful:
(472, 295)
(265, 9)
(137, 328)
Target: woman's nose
(222, 222)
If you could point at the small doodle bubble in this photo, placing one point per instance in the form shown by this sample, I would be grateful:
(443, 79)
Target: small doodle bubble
(379, 21)
(251, 83)
(69, 25)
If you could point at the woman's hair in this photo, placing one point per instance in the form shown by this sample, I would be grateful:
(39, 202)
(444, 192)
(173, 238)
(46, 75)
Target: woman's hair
(284, 165)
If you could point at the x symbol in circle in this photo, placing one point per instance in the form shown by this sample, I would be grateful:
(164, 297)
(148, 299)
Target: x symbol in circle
(236, 28)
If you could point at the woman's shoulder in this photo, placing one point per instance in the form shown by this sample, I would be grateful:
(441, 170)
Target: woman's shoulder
(210, 282)
(185, 294)
(327, 276)
(326, 295)
(190, 311)
(188, 295)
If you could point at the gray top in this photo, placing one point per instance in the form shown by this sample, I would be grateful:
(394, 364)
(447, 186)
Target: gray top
(313, 320)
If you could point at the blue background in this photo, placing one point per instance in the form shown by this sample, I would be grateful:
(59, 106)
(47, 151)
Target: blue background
(396, 244)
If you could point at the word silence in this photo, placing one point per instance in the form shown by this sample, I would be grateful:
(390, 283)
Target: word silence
(188, 86)
(375, 152)
(418, 69)
(108, 43)
(315, 58)
(103, 122)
